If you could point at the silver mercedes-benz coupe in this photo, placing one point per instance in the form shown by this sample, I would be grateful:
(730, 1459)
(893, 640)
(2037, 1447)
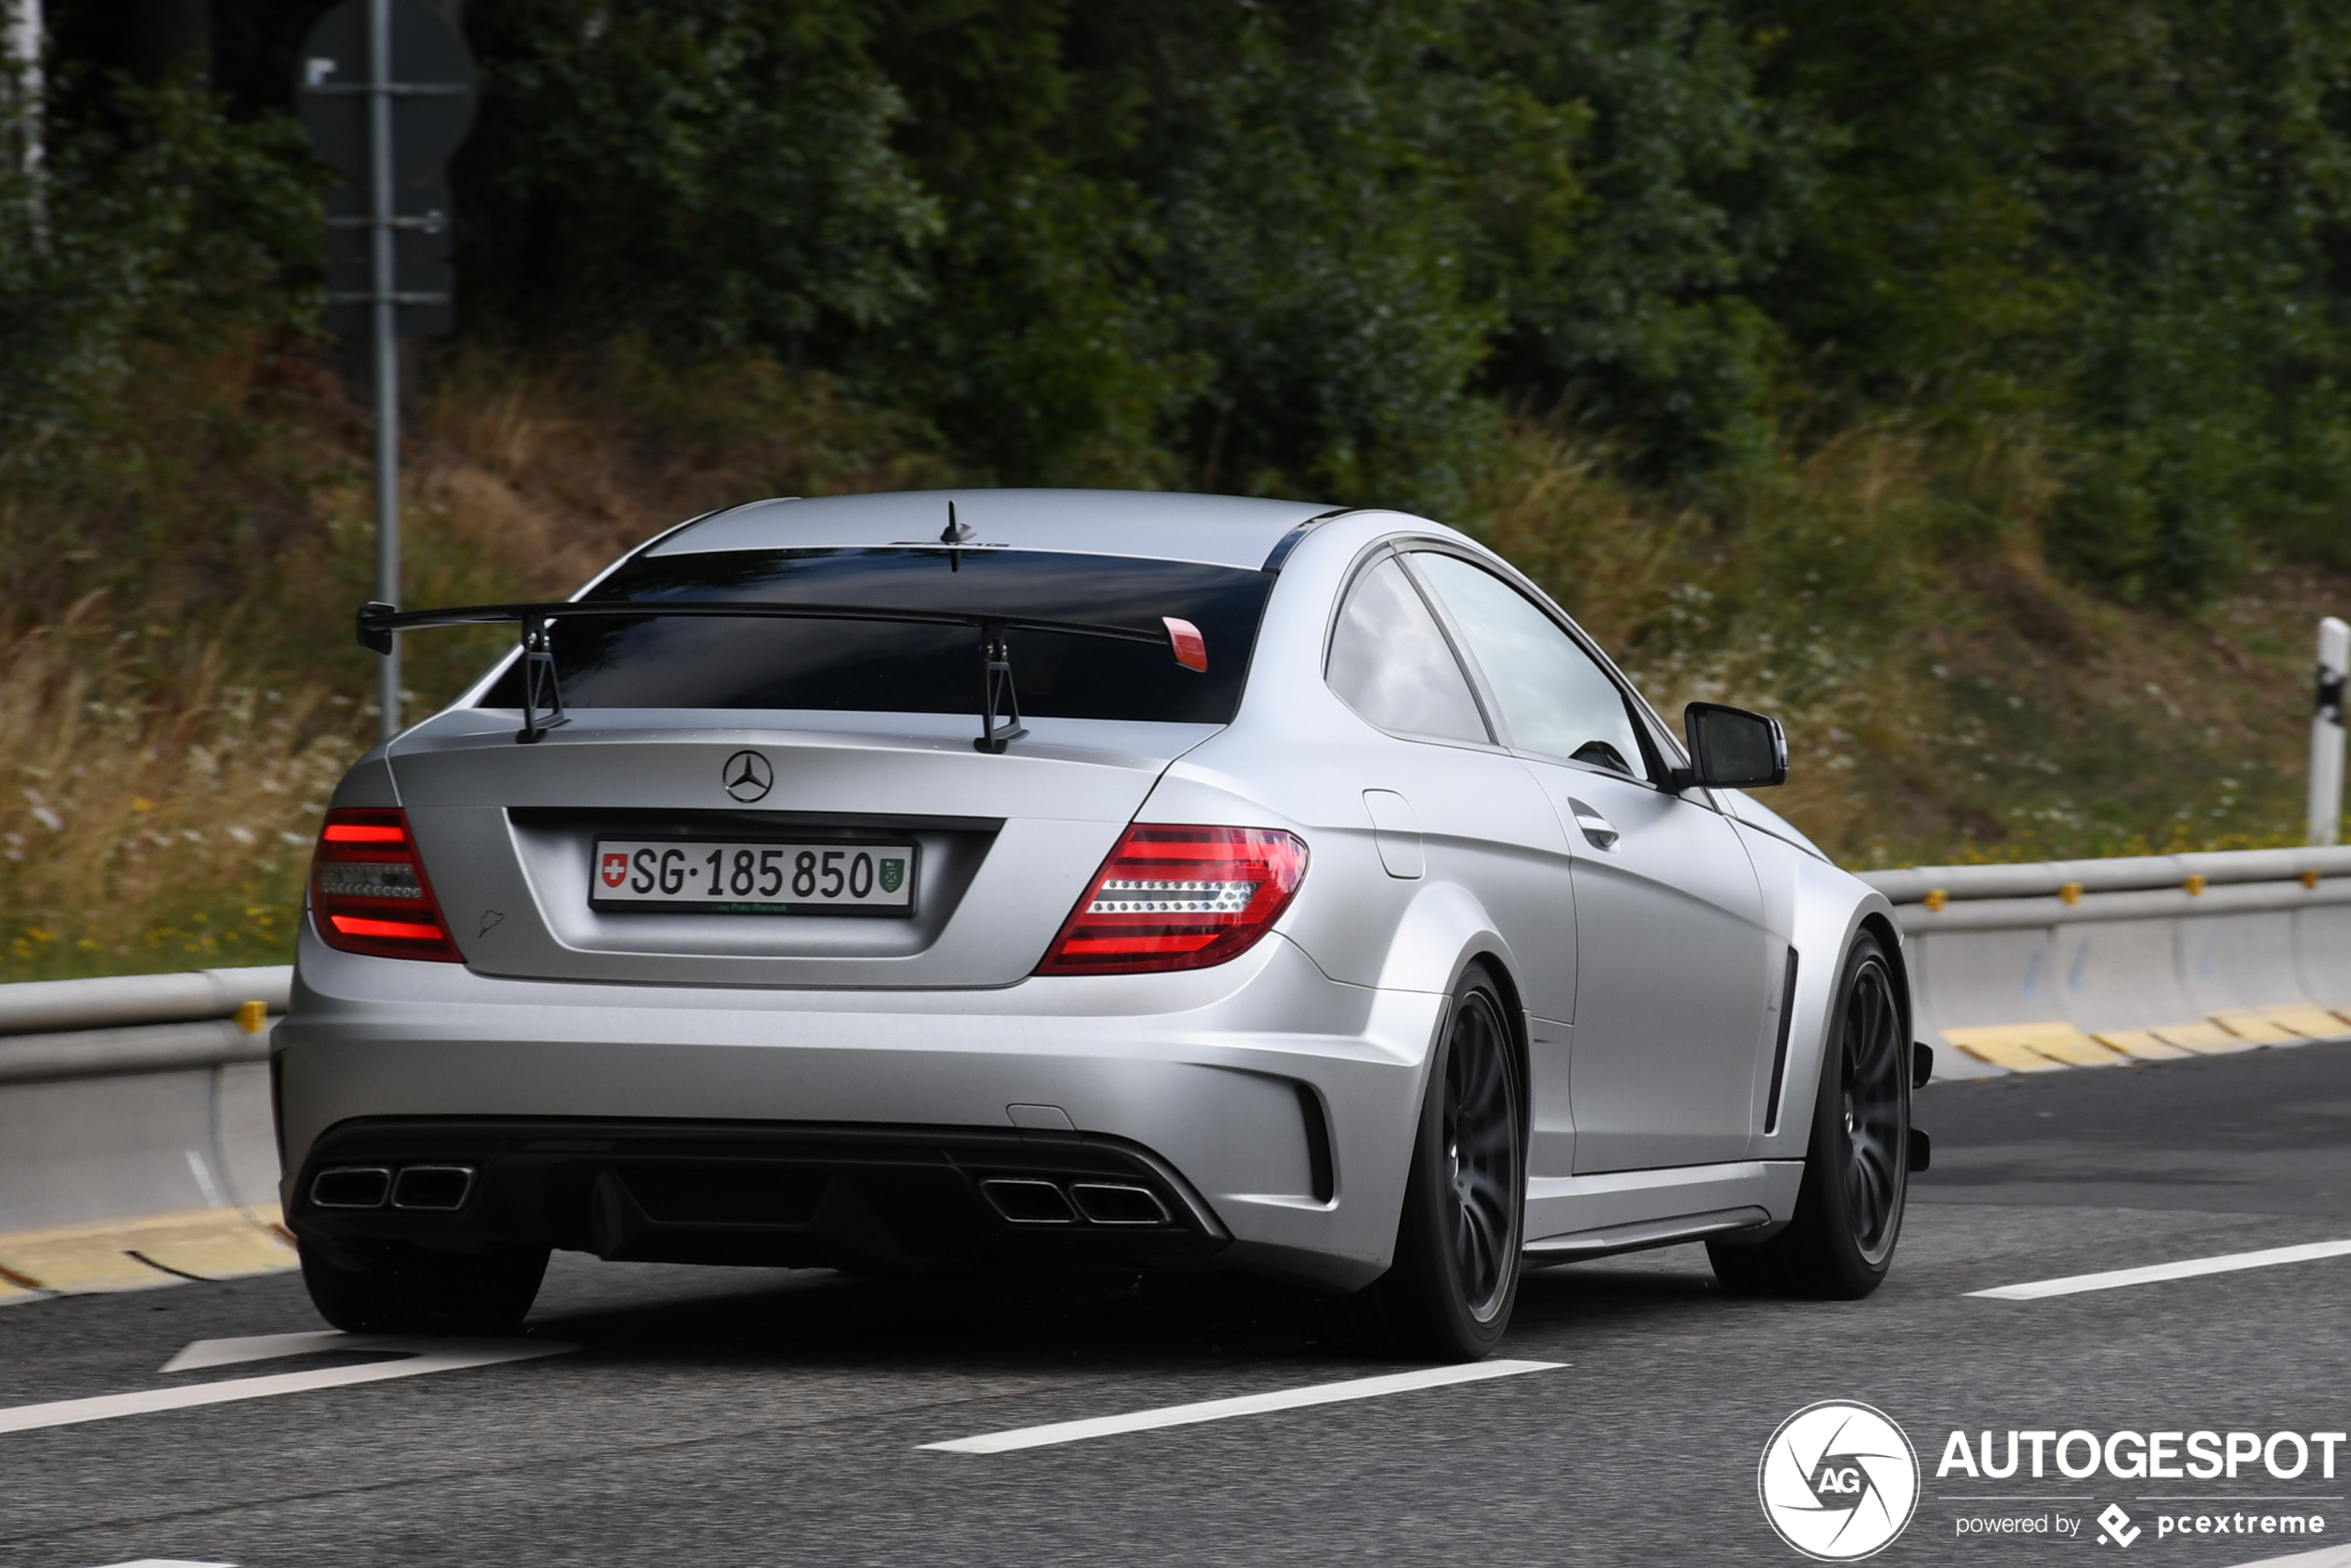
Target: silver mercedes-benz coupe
(893, 882)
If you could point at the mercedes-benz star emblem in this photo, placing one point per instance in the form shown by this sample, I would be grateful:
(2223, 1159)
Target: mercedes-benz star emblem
(747, 776)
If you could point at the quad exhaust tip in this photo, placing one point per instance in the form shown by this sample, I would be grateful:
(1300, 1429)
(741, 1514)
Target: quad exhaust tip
(432, 1189)
(352, 1186)
(443, 1187)
(1028, 1200)
(1116, 1203)
(1029, 1203)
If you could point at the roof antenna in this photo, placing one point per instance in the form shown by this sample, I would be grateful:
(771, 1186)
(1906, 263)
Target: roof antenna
(954, 533)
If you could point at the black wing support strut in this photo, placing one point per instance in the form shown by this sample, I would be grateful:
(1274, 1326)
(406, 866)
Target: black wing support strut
(542, 702)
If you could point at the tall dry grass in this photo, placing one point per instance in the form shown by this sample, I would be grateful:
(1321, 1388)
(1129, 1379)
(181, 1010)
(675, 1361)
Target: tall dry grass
(1945, 696)
(170, 739)
(179, 687)
(145, 832)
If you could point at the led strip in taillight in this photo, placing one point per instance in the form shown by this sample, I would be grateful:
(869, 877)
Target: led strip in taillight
(368, 892)
(1178, 897)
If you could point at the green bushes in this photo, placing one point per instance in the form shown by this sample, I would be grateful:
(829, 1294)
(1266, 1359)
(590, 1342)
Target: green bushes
(1320, 247)
(2128, 216)
(710, 171)
(152, 211)
(1907, 368)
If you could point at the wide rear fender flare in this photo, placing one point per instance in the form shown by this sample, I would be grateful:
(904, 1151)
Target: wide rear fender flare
(1444, 930)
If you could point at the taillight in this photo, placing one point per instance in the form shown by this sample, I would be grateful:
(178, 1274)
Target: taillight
(1179, 898)
(368, 892)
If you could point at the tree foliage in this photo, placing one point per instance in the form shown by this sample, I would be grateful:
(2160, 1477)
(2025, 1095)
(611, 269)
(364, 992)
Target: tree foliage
(1322, 246)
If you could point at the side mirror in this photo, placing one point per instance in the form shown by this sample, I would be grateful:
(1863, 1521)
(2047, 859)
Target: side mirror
(1733, 749)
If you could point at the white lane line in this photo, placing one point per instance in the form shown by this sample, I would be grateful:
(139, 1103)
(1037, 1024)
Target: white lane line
(2329, 1557)
(271, 1347)
(2187, 1268)
(422, 1356)
(169, 1563)
(1246, 1404)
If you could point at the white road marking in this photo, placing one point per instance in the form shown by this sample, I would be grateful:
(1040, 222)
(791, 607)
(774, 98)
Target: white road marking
(422, 1356)
(1247, 1405)
(168, 1563)
(2329, 1557)
(2187, 1268)
(271, 1347)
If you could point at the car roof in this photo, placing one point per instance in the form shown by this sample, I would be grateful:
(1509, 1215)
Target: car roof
(1227, 530)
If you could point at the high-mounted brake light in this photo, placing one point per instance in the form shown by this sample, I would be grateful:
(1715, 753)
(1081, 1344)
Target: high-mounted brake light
(1190, 648)
(1179, 898)
(368, 892)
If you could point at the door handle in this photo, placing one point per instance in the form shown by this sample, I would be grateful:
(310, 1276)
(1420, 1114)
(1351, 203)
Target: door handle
(1597, 830)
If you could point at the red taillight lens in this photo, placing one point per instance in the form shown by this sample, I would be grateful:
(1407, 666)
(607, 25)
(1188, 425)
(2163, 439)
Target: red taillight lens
(1179, 898)
(368, 892)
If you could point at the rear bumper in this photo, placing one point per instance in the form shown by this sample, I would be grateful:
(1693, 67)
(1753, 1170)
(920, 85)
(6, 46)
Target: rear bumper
(1269, 1109)
(746, 1192)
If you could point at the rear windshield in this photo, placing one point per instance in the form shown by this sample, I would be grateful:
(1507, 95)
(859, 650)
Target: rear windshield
(877, 667)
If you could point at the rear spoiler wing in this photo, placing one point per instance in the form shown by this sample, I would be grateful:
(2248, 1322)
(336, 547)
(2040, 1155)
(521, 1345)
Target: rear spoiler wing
(999, 704)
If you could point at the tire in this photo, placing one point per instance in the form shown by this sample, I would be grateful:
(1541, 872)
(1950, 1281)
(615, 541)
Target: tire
(1449, 1293)
(1849, 1212)
(414, 1292)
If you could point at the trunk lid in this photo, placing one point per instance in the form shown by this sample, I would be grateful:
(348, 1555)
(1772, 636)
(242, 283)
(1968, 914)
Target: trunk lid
(1004, 844)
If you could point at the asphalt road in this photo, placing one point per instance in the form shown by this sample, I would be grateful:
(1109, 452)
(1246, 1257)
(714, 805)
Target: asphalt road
(741, 1417)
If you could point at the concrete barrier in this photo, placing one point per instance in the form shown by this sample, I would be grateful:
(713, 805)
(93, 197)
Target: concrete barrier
(136, 1095)
(2091, 963)
(149, 1093)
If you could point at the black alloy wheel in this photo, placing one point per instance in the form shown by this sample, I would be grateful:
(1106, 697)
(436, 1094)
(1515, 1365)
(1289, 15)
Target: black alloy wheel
(1876, 1111)
(1849, 1212)
(1455, 1278)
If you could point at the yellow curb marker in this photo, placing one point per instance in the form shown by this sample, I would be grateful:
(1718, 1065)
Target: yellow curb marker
(2311, 1023)
(2030, 1048)
(2141, 1044)
(2258, 1025)
(138, 1254)
(2210, 1040)
(2039, 1048)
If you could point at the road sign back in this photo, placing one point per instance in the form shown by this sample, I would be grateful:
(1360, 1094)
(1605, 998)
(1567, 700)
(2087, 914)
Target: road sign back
(432, 95)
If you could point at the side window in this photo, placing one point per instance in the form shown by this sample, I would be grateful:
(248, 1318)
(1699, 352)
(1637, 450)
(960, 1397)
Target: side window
(1553, 697)
(1391, 664)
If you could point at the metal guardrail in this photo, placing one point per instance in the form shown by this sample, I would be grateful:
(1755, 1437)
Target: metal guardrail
(129, 1024)
(1980, 897)
(136, 1094)
(2088, 962)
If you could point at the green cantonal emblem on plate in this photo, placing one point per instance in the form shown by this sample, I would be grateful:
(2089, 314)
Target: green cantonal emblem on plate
(893, 875)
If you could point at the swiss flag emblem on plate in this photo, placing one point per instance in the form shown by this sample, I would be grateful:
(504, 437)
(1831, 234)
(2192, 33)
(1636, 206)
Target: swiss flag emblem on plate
(615, 868)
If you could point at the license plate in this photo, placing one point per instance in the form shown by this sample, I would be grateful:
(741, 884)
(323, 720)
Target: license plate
(733, 877)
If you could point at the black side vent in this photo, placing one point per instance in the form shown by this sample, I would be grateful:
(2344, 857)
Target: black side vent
(1318, 1145)
(1779, 1052)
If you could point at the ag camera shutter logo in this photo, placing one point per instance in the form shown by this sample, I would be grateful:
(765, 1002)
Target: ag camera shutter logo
(1838, 1481)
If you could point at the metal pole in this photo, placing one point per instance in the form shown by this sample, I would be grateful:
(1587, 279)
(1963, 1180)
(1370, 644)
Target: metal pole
(383, 283)
(2326, 732)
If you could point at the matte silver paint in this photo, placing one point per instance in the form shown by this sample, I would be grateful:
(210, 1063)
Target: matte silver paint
(1645, 968)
